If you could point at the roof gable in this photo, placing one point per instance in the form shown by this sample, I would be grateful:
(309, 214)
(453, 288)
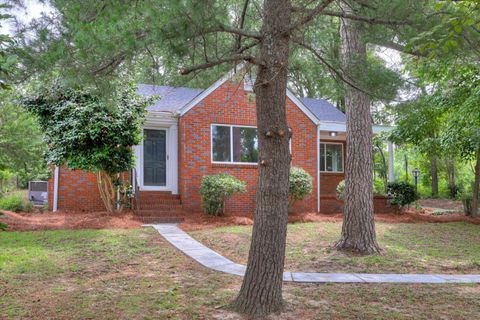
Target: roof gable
(324, 110)
(179, 100)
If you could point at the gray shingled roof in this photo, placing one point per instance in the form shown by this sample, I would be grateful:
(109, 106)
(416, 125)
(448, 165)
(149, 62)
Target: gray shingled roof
(324, 110)
(173, 99)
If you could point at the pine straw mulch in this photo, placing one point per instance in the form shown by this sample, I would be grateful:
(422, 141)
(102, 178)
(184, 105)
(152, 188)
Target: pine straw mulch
(195, 220)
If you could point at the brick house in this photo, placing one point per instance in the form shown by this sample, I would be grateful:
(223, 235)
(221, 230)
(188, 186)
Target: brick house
(190, 133)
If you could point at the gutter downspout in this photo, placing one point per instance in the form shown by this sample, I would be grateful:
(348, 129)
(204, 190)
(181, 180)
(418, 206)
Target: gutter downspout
(55, 189)
(318, 167)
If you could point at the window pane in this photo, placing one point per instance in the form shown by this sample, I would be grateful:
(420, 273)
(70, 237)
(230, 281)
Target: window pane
(221, 143)
(245, 145)
(322, 157)
(334, 157)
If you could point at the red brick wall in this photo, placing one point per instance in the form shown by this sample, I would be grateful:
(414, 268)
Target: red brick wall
(230, 104)
(77, 191)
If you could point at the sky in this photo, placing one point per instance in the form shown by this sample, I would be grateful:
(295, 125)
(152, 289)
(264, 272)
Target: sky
(33, 9)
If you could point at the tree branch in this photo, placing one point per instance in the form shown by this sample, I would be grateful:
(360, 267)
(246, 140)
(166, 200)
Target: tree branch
(237, 31)
(232, 58)
(242, 22)
(401, 48)
(311, 14)
(363, 18)
(328, 65)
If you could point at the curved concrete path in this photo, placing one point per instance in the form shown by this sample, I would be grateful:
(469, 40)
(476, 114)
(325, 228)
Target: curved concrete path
(210, 259)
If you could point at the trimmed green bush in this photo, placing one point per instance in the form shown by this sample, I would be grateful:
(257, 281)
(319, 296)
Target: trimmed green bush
(15, 202)
(215, 189)
(301, 185)
(401, 193)
(341, 190)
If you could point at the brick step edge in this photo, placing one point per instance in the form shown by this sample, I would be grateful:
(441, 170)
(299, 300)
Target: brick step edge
(161, 219)
(161, 201)
(143, 212)
(160, 208)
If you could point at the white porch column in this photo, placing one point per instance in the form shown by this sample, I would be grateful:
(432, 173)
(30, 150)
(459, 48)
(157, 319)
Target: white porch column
(391, 176)
(55, 188)
(173, 158)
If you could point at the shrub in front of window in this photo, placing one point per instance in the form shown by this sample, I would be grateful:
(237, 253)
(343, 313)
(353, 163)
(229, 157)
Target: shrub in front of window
(341, 190)
(401, 193)
(215, 189)
(300, 185)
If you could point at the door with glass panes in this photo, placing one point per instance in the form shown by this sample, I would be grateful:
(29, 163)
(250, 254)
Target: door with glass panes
(155, 158)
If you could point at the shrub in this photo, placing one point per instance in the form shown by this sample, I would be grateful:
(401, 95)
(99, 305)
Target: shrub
(401, 193)
(215, 189)
(15, 202)
(341, 190)
(3, 226)
(300, 184)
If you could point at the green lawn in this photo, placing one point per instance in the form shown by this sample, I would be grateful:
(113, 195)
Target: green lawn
(134, 274)
(422, 248)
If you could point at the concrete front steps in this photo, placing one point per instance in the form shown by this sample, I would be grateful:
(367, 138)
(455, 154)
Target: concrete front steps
(160, 207)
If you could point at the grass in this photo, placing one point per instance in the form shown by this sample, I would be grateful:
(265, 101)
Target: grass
(134, 274)
(421, 248)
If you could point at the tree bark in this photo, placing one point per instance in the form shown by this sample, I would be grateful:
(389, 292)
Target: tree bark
(358, 230)
(434, 173)
(450, 165)
(261, 291)
(476, 187)
(107, 190)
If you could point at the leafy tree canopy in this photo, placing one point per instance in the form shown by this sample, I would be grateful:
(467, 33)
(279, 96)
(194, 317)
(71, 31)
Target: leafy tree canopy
(86, 132)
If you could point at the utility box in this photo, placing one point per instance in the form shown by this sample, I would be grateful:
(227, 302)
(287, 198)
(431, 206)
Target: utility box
(38, 192)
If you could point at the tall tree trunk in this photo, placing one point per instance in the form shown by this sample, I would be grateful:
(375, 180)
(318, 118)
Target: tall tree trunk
(434, 173)
(406, 168)
(358, 230)
(450, 165)
(476, 187)
(261, 291)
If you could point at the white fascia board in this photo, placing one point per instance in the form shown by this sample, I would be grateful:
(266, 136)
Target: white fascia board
(342, 127)
(302, 107)
(333, 126)
(160, 118)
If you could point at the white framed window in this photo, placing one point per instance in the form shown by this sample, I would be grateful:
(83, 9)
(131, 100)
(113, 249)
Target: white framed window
(234, 144)
(331, 157)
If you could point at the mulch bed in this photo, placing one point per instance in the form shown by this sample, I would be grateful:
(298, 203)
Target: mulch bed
(195, 221)
(68, 220)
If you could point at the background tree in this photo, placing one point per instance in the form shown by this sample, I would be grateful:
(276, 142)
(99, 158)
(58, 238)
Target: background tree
(21, 145)
(419, 123)
(84, 131)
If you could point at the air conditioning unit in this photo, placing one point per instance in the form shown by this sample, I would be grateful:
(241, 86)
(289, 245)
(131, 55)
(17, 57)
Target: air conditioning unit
(38, 192)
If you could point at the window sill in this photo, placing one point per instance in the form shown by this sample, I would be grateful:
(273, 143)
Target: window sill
(235, 165)
(333, 172)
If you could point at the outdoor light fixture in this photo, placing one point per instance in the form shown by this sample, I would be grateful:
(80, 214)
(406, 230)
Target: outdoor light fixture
(416, 174)
(332, 133)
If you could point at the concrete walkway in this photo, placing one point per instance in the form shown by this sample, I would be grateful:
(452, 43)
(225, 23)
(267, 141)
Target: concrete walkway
(210, 259)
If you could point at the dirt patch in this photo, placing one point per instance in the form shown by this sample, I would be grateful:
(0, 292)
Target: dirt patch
(68, 220)
(446, 204)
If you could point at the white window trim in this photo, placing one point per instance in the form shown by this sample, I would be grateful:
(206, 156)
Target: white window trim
(231, 126)
(320, 157)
